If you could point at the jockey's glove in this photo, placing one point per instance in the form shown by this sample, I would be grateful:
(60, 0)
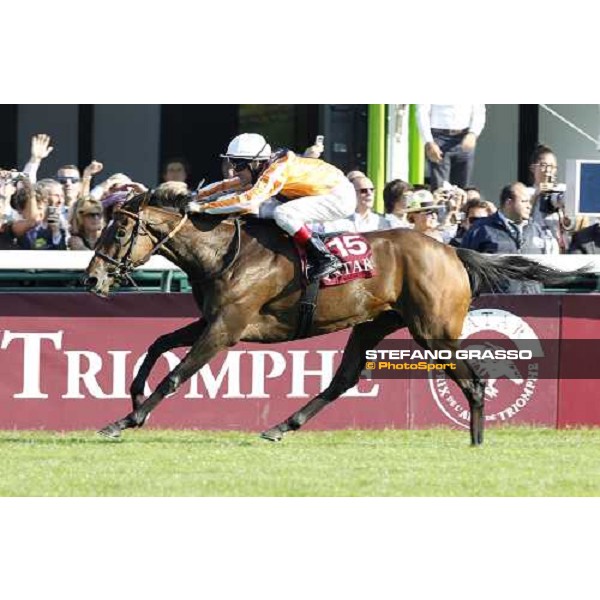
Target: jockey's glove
(194, 207)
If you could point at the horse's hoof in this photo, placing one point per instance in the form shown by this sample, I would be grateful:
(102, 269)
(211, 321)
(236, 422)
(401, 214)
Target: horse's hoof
(273, 435)
(111, 431)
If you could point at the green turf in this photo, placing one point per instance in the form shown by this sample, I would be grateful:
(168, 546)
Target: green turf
(514, 462)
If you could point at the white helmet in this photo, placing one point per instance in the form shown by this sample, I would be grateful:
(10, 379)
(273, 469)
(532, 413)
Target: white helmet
(250, 146)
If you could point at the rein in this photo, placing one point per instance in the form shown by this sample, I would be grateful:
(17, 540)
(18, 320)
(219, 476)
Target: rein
(124, 266)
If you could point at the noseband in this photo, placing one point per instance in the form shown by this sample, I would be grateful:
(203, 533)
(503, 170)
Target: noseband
(125, 265)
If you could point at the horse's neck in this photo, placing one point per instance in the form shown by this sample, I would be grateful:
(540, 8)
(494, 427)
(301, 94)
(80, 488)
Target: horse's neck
(200, 254)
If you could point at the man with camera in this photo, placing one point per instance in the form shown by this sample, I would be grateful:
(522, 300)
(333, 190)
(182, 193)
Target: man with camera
(511, 231)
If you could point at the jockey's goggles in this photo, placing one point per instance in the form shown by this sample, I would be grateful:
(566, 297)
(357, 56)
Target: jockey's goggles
(239, 164)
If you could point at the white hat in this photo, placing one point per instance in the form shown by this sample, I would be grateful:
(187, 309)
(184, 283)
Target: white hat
(422, 200)
(251, 146)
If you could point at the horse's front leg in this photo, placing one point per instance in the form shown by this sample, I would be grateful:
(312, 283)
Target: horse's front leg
(185, 336)
(214, 338)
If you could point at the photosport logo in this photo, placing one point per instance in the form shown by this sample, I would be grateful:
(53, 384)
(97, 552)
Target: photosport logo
(507, 391)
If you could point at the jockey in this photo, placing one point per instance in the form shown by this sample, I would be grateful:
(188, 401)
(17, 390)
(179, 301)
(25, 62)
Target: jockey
(308, 190)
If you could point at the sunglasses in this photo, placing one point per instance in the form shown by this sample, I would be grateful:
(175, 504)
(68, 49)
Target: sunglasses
(94, 215)
(63, 180)
(474, 219)
(239, 165)
(366, 190)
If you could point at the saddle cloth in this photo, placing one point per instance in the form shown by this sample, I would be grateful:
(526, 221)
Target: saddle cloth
(355, 253)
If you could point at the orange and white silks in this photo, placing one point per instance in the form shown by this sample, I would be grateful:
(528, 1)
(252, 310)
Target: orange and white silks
(291, 177)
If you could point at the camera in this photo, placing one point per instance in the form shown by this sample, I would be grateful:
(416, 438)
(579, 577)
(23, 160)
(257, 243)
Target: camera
(52, 214)
(12, 176)
(552, 200)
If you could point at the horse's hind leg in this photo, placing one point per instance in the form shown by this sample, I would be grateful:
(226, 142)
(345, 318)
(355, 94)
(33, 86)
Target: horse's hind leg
(472, 386)
(364, 337)
(183, 337)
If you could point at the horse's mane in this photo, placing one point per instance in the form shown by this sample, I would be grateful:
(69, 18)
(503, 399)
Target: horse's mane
(161, 198)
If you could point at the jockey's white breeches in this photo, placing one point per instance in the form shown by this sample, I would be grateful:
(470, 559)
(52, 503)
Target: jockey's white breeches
(339, 203)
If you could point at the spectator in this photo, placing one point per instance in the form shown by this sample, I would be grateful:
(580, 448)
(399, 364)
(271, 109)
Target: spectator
(176, 169)
(364, 219)
(42, 227)
(396, 195)
(7, 190)
(474, 210)
(70, 178)
(586, 241)
(450, 199)
(352, 175)
(74, 185)
(423, 214)
(450, 133)
(472, 193)
(40, 149)
(544, 169)
(509, 231)
(86, 224)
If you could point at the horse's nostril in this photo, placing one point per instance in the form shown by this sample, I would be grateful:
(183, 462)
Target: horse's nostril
(91, 282)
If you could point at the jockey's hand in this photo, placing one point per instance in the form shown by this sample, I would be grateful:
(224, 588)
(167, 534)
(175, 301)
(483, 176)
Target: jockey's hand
(195, 207)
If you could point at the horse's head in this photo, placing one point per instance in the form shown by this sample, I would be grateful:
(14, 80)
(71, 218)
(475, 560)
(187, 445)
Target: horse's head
(135, 233)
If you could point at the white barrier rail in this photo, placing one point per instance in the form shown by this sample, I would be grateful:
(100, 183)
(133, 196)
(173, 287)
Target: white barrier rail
(65, 260)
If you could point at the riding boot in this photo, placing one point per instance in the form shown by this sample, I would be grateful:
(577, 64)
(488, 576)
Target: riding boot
(321, 261)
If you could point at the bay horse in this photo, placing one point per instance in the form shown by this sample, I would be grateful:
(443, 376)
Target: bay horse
(246, 278)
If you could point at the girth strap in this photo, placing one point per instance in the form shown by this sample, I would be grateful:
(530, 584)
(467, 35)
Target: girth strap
(307, 307)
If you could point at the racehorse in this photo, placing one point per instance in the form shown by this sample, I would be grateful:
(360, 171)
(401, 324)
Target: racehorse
(247, 279)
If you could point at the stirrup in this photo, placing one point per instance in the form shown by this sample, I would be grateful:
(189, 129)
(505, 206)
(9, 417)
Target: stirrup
(323, 269)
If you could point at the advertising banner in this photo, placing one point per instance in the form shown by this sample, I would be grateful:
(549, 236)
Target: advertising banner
(68, 360)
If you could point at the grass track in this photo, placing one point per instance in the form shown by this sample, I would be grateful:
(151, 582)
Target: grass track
(515, 461)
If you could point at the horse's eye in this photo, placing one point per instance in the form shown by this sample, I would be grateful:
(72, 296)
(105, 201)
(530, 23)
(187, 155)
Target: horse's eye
(121, 233)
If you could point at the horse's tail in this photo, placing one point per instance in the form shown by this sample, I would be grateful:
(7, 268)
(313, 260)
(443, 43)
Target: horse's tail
(490, 273)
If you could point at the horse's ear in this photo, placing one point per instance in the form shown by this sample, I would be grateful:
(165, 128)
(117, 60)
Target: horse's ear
(184, 201)
(145, 200)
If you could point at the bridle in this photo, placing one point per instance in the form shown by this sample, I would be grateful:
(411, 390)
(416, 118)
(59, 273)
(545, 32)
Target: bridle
(125, 265)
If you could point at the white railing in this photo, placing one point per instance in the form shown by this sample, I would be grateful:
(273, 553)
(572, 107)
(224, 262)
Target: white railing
(65, 260)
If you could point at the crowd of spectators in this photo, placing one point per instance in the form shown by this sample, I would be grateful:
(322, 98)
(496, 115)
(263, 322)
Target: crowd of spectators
(70, 210)
(67, 211)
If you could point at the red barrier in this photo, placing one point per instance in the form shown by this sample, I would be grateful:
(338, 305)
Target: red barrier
(67, 361)
(579, 399)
